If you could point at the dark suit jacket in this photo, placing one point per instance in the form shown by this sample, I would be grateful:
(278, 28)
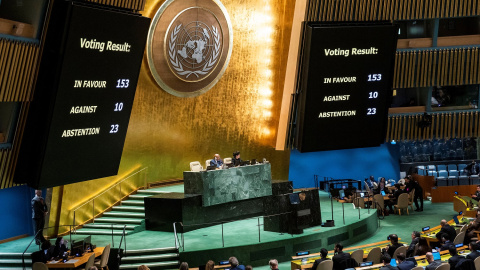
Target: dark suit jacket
(454, 260)
(38, 208)
(411, 248)
(392, 249)
(406, 265)
(446, 246)
(448, 230)
(433, 265)
(472, 170)
(317, 262)
(339, 258)
(473, 255)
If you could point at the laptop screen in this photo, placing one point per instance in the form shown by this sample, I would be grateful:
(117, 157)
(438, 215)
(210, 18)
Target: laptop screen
(383, 193)
(393, 262)
(436, 256)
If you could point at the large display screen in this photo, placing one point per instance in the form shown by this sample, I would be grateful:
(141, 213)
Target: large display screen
(85, 100)
(346, 85)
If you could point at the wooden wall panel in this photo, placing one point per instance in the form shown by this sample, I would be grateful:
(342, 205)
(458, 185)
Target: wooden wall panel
(373, 10)
(446, 125)
(135, 5)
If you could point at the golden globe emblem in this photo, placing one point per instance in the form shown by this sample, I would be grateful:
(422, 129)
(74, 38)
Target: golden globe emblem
(189, 46)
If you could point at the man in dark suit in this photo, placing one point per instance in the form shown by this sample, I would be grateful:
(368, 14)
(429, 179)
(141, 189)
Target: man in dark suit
(39, 211)
(404, 264)
(415, 240)
(476, 196)
(386, 263)
(340, 257)
(432, 265)
(472, 168)
(234, 264)
(323, 257)
(236, 160)
(473, 248)
(446, 229)
(446, 242)
(390, 249)
(455, 257)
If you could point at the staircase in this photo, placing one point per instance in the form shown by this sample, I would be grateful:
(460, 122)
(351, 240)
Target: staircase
(154, 258)
(131, 212)
(12, 261)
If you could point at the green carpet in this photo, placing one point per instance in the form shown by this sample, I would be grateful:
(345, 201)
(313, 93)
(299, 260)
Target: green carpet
(246, 231)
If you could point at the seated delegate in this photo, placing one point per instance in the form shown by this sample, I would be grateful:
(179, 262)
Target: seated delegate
(472, 168)
(236, 161)
(216, 161)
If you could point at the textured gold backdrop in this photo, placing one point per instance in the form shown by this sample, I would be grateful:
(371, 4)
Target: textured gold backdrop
(240, 113)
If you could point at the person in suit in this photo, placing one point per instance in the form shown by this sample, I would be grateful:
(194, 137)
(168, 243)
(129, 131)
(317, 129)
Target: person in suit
(390, 249)
(472, 168)
(476, 196)
(273, 264)
(183, 266)
(323, 257)
(455, 257)
(432, 265)
(386, 263)
(39, 211)
(339, 257)
(446, 242)
(446, 229)
(216, 161)
(236, 161)
(472, 227)
(415, 240)
(404, 264)
(423, 247)
(234, 263)
(473, 251)
(60, 247)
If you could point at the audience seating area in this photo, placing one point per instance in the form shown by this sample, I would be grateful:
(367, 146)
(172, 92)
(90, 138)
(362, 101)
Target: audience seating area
(449, 174)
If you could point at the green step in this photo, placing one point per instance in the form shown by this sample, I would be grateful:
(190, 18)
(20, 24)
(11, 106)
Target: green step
(100, 232)
(139, 196)
(124, 214)
(151, 265)
(151, 192)
(133, 202)
(14, 255)
(107, 226)
(128, 208)
(151, 250)
(116, 220)
(149, 258)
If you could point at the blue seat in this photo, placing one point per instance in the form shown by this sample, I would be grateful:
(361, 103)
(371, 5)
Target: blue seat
(421, 170)
(442, 182)
(461, 167)
(474, 180)
(452, 167)
(431, 168)
(463, 180)
(433, 173)
(441, 167)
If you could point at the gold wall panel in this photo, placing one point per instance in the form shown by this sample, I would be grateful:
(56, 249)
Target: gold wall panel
(166, 133)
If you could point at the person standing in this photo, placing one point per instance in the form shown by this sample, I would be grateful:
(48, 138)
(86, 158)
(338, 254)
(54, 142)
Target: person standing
(39, 211)
(418, 195)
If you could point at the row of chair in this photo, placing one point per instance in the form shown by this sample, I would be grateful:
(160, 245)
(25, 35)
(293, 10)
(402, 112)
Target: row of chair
(196, 166)
(449, 169)
(100, 264)
(375, 254)
(405, 200)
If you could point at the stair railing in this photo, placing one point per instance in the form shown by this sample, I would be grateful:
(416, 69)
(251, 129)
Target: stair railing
(177, 241)
(120, 253)
(134, 183)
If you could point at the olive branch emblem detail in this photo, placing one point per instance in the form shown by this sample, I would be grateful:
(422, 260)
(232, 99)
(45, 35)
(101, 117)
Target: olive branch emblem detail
(176, 63)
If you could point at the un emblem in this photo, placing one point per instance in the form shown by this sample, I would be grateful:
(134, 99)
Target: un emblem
(189, 46)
